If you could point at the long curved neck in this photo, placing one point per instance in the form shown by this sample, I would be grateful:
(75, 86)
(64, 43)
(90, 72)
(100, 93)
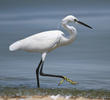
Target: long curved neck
(72, 32)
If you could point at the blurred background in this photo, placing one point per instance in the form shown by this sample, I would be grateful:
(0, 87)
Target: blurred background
(86, 61)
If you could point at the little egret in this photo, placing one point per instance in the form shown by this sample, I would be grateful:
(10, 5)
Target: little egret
(47, 41)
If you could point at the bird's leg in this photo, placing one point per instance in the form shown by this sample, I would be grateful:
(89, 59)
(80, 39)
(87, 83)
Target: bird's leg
(59, 76)
(50, 75)
(37, 73)
(41, 70)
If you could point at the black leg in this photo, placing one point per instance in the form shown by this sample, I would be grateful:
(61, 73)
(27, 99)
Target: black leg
(50, 75)
(37, 73)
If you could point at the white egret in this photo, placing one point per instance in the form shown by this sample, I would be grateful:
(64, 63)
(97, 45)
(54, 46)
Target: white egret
(47, 41)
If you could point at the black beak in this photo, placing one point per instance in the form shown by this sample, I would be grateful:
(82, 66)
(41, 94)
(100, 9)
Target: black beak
(84, 24)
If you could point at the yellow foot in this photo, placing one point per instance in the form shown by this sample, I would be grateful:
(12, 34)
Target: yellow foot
(61, 82)
(68, 80)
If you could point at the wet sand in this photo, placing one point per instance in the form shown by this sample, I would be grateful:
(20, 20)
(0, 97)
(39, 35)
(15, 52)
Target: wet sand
(57, 97)
(9, 93)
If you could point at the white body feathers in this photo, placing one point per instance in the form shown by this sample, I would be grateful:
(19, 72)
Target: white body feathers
(46, 41)
(41, 42)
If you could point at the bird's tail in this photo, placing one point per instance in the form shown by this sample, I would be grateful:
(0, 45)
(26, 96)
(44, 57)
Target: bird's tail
(15, 46)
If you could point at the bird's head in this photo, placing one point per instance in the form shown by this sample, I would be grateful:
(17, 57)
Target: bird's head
(71, 18)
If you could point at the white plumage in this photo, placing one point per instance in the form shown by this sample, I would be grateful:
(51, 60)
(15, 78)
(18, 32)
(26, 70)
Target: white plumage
(40, 42)
(15, 46)
(48, 40)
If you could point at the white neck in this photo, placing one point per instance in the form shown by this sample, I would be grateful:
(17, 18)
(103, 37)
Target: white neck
(72, 31)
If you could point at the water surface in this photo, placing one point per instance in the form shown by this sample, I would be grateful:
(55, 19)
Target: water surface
(86, 61)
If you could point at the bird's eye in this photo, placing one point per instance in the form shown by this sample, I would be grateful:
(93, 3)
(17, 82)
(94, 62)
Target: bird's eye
(75, 20)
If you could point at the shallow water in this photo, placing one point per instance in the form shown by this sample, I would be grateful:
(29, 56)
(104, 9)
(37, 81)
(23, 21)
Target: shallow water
(86, 61)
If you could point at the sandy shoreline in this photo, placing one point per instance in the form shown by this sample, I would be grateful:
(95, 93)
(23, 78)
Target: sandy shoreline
(53, 97)
(9, 93)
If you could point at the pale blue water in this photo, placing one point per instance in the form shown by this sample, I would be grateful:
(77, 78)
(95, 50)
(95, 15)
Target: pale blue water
(86, 61)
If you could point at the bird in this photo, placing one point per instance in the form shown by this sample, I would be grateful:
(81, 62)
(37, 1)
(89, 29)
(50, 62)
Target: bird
(47, 41)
